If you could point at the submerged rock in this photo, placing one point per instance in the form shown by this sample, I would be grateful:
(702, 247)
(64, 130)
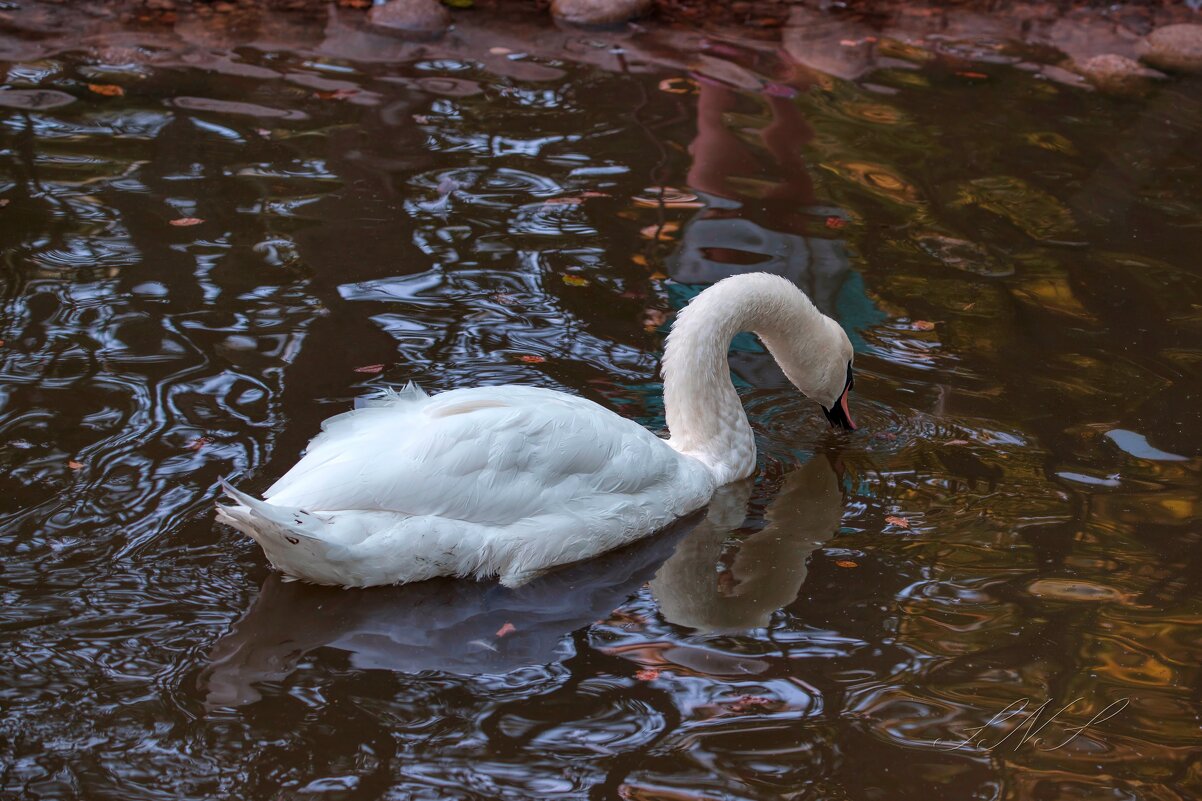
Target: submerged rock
(415, 18)
(599, 12)
(1117, 74)
(1177, 48)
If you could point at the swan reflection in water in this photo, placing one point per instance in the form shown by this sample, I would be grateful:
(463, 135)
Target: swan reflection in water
(452, 626)
(770, 565)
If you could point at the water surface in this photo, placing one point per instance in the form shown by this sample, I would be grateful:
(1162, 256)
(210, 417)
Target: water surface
(248, 235)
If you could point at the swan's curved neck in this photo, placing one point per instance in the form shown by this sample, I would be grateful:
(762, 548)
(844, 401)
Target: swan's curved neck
(705, 417)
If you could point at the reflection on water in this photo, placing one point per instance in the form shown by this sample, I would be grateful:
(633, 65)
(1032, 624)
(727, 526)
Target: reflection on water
(245, 237)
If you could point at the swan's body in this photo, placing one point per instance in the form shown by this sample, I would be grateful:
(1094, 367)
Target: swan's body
(510, 481)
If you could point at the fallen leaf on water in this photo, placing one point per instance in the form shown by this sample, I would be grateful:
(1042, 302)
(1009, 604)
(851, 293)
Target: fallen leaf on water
(563, 201)
(647, 674)
(421, 119)
(575, 280)
(678, 86)
(977, 75)
(662, 233)
(845, 563)
(835, 222)
(531, 359)
(184, 222)
(658, 276)
(74, 465)
(970, 306)
(106, 89)
(198, 443)
(508, 628)
(922, 325)
(354, 3)
(895, 520)
(500, 51)
(4, 201)
(957, 442)
(370, 368)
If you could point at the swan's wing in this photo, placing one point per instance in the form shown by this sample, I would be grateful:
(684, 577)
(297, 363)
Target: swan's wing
(490, 455)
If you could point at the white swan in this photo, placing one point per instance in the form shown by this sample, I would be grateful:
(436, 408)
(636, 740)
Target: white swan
(510, 481)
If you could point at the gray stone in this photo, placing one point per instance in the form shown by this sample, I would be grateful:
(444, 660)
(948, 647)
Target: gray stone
(1117, 74)
(1177, 48)
(34, 99)
(599, 12)
(424, 19)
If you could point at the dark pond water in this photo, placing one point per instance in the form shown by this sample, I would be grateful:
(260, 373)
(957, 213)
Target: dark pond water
(198, 270)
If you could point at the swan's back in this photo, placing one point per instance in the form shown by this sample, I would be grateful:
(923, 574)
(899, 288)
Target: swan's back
(483, 481)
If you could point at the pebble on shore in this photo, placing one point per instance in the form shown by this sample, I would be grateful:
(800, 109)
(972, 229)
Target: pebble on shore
(424, 19)
(1175, 48)
(599, 12)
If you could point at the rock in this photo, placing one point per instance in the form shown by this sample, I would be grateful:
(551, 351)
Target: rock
(1117, 75)
(1177, 48)
(599, 12)
(424, 19)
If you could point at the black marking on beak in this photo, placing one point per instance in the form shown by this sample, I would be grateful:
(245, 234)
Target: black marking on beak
(839, 416)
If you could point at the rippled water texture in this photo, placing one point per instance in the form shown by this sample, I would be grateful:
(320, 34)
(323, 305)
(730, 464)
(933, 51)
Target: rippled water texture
(210, 245)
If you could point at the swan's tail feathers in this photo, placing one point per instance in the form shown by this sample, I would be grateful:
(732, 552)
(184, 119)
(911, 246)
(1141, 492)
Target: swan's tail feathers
(410, 393)
(296, 542)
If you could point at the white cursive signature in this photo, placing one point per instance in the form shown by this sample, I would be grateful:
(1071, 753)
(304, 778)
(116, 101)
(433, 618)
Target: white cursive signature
(1030, 720)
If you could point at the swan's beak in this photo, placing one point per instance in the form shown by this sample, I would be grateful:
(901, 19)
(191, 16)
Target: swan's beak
(839, 415)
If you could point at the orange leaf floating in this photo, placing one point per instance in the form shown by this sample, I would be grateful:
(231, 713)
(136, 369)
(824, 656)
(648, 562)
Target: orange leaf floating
(678, 86)
(184, 222)
(957, 442)
(106, 89)
(895, 520)
(337, 94)
(647, 674)
(845, 563)
(976, 75)
(835, 222)
(198, 443)
(576, 280)
(500, 51)
(370, 368)
(74, 465)
(660, 233)
(508, 628)
(922, 325)
(531, 359)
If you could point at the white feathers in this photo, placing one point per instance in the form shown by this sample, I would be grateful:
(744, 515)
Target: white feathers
(510, 481)
(480, 482)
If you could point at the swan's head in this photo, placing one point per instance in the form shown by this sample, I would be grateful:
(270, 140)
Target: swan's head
(824, 373)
